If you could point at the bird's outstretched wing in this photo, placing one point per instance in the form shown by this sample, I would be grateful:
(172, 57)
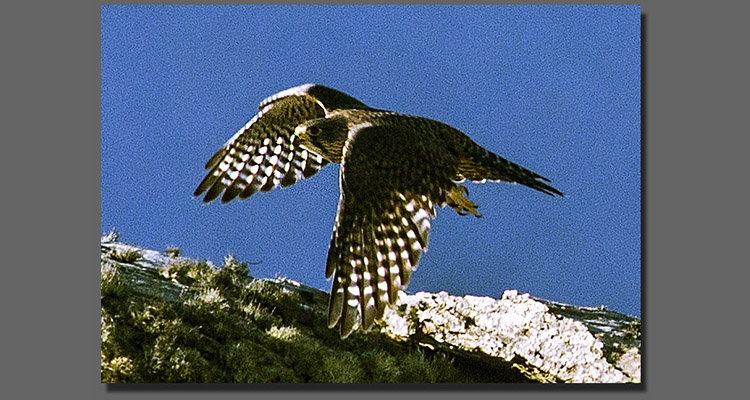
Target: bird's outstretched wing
(265, 153)
(391, 180)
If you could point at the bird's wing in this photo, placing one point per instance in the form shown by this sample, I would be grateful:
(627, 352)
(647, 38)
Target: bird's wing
(392, 176)
(265, 152)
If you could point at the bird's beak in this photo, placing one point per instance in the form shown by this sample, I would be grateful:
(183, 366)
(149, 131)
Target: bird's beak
(301, 131)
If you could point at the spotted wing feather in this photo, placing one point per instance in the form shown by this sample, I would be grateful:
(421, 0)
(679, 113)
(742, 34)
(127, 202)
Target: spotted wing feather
(372, 255)
(391, 180)
(264, 153)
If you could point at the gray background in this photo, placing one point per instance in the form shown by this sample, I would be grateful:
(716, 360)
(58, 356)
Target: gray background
(694, 169)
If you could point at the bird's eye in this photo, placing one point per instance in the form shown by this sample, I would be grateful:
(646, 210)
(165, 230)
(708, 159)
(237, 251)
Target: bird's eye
(313, 130)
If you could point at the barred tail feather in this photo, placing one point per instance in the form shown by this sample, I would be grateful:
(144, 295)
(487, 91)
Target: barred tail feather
(480, 165)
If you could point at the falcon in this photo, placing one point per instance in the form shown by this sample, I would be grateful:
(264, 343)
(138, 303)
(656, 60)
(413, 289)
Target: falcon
(395, 169)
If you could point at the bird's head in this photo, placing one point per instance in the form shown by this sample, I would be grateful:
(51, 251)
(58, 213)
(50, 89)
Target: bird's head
(324, 136)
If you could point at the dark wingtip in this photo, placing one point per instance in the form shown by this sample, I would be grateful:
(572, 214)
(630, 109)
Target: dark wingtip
(213, 193)
(207, 199)
(214, 160)
(368, 319)
(199, 191)
(248, 191)
(208, 181)
(230, 193)
(226, 199)
(348, 322)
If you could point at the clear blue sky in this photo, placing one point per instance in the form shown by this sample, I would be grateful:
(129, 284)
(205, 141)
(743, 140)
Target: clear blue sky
(553, 88)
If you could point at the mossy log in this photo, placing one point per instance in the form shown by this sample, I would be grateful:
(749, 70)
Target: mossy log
(166, 318)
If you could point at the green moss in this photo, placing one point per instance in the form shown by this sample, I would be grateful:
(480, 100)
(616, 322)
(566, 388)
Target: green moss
(189, 341)
(128, 256)
(417, 367)
(184, 271)
(342, 368)
(113, 283)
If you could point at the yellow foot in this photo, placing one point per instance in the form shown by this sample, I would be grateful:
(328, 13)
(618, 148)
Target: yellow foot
(460, 203)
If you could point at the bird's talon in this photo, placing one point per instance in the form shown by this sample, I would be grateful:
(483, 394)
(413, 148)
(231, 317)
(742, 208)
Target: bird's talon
(460, 203)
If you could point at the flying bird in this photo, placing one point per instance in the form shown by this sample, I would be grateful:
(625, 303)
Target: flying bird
(395, 169)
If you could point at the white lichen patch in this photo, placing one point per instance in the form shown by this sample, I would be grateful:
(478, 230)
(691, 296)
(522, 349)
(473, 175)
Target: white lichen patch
(515, 325)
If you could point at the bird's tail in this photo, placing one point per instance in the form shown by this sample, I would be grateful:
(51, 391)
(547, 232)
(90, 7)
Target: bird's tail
(479, 165)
